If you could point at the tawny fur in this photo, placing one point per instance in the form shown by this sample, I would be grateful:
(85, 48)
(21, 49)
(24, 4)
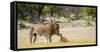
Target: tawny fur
(46, 30)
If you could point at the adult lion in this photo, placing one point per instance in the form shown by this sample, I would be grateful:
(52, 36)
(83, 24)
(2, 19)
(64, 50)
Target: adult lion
(46, 30)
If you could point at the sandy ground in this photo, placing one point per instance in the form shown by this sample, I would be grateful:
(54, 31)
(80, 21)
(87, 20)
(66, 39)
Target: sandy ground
(75, 36)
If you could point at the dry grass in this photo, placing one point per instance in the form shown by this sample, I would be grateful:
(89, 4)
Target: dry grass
(54, 44)
(76, 36)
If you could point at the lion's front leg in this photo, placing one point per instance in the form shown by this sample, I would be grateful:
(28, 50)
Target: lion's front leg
(48, 38)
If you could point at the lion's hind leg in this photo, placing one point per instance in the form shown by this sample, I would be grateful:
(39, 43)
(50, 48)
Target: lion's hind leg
(35, 37)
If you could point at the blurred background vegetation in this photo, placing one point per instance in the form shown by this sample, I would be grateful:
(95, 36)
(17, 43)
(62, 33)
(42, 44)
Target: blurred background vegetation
(68, 15)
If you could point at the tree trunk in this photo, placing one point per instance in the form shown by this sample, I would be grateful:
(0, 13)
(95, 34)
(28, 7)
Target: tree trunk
(36, 15)
(40, 8)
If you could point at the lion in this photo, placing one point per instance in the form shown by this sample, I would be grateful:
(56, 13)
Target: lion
(46, 30)
(63, 39)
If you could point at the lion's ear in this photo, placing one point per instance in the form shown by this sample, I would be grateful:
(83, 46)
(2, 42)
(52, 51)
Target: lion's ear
(57, 26)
